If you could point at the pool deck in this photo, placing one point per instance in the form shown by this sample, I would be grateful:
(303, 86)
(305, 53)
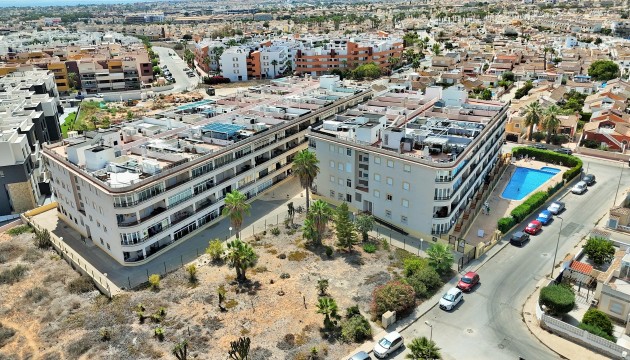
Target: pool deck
(501, 207)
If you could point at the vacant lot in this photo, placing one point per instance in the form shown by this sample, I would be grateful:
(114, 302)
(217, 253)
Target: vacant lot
(47, 311)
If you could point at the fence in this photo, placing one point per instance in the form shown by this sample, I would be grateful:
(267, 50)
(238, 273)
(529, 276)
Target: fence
(105, 285)
(583, 337)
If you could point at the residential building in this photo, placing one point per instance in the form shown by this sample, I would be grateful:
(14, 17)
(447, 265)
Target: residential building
(136, 190)
(413, 161)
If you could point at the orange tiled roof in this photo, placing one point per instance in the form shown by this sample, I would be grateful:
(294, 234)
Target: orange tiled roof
(581, 267)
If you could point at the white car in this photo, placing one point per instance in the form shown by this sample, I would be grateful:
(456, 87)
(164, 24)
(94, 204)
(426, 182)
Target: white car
(450, 299)
(387, 345)
(556, 207)
(579, 188)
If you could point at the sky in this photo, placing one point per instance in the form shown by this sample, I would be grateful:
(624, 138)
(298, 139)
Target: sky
(25, 3)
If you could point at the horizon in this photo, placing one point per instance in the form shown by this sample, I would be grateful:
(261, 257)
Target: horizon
(68, 3)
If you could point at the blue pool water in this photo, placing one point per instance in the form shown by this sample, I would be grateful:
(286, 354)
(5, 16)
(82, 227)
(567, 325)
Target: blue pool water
(524, 181)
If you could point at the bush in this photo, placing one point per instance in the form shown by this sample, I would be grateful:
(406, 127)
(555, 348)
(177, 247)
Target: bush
(554, 189)
(356, 329)
(215, 250)
(597, 331)
(520, 212)
(424, 281)
(192, 273)
(393, 296)
(599, 319)
(159, 333)
(154, 281)
(36, 294)
(5, 335)
(599, 250)
(352, 311)
(81, 285)
(412, 265)
(329, 251)
(19, 230)
(105, 334)
(369, 248)
(506, 223)
(553, 157)
(275, 231)
(538, 136)
(559, 299)
(10, 276)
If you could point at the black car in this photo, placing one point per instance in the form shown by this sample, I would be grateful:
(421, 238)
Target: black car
(589, 179)
(519, 238)
(564, 151)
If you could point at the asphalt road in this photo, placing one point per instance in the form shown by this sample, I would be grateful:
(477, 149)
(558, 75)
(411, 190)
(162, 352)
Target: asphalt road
(176, 66)
(488, 324)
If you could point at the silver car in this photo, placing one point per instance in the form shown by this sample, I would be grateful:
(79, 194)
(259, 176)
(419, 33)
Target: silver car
(387, 345)
(579, 188)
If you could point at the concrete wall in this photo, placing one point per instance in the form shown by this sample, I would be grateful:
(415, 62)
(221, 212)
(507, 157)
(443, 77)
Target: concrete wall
(21, 196)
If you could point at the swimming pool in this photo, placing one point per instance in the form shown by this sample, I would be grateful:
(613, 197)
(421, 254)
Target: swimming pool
(525, 180)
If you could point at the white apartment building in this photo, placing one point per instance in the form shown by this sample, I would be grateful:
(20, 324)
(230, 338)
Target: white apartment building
(136, 190)
(279, 54)
(234, 63)
(414, 162)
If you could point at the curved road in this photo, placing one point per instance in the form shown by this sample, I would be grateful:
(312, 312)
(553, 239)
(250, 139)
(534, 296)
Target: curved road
(488, 323)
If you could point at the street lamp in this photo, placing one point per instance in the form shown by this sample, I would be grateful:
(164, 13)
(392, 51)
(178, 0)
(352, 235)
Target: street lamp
(557, 244)
(421, 241)
(619, 183)
(431, 326)
(230, 232)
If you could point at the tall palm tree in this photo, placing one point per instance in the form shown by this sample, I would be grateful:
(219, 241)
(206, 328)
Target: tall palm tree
(533, 116)
(236, 207)
(423, 349)
(320, 214)
(274, 62)
(306, 169)
(551, 123)
(241, 256)
(437, 50)
(547, 49)
(218, 51)
(328, 307)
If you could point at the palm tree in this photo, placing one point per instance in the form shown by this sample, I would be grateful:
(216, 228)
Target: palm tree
(533, 116)
(218, 51)
(239, 349)
(423, 349)
(240, 256)
(236, 207)
(437, 50)
(328, 307)
(274, 62)
(551, 123)
(440, 257)
(309, 232)
(206, 62)
(305, 167)
(320, 214)
(546, 50)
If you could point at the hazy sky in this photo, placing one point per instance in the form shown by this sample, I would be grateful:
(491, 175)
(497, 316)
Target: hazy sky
(23, 3)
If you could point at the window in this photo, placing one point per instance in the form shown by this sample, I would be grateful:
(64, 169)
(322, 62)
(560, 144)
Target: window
(615, 307)
(403, 219)
(340, 150)
(377, 177)
(332, 164)
(388, 214)
(104, 227)
(390, 181)
(340, 196)
(340, 166)
(348, 183)
(102, 242)
(340, 181)
(1, 174)
(332, 178)
(389, 197)
(332, 194)
(331, 148)
(98, 224)
(348, 167)
(390, 163)
(348, 151)
(405, 185)
(108, 248)
(348, 198)
(357, 196)
(405, 203)
(377, 160)
(407, 168)
(377, 194)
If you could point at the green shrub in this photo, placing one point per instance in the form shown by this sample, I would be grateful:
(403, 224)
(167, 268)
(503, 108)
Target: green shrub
(553, 157)
(329, 251)
(412, 264)
(81, 285)
(559, 299)
(275, 231)
(369, 248)
(393, 296)
(19, 230)
(599, 250)
(13, 275)
(42, 239)
(554, 189)
(597, 331)
(356, 329)
(215, 250)
(599, 319)
(522, 211)
(538, 136)
(154, 281)
(505, 224)
(352, 311)
(192, 273)
(159, 333)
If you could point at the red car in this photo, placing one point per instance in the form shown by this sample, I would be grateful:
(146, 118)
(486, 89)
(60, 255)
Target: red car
(534, 227)
(468, 281)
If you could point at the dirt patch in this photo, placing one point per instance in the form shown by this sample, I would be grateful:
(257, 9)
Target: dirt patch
(276, 308)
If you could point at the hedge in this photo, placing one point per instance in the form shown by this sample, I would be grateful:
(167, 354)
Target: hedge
(559, 299)
(554, 158)
(506, 223)
(597, 331)
(599, 319)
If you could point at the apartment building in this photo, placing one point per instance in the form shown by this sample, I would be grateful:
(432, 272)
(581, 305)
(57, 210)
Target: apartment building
(137, 190)
(29, 117)
(413, 161)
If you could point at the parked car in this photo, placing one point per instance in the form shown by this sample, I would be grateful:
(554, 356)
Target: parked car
(544, 217)
(191, 75)
(468, 281)
(387, 345)
(564, 151)
(579, 188)
(80, 97)
(519, 238)
(538, 146)
(556, 207)
(450, 299)
(164, 67)
(186, 69)
(589, 179)
(99, 95)
(533, 227)
(361, 355)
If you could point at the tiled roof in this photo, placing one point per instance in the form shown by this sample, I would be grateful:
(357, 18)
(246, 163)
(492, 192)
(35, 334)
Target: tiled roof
(581, 267)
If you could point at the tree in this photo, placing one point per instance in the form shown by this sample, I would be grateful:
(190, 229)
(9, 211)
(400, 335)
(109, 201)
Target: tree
(440, 257)
(274, 62)
(215, 250)
(309, 232)
(266, 25)
(306, 169)
(218, 51)
(533, 116)
(520, 92)
(320, 214)
(240, 256)
(157, 71)
(180, 350)
(364, 224)
(559, 299)
(393, 296)
(436, 49)
(551, 123)
(546, 50)
(72, 80)
(367, 71)
(603, 70)
(328, 307)
(239, 349)
(599, 250)
(344, 227)
(236, 207)
(508, 76)
(423, 349)
(599, 319)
